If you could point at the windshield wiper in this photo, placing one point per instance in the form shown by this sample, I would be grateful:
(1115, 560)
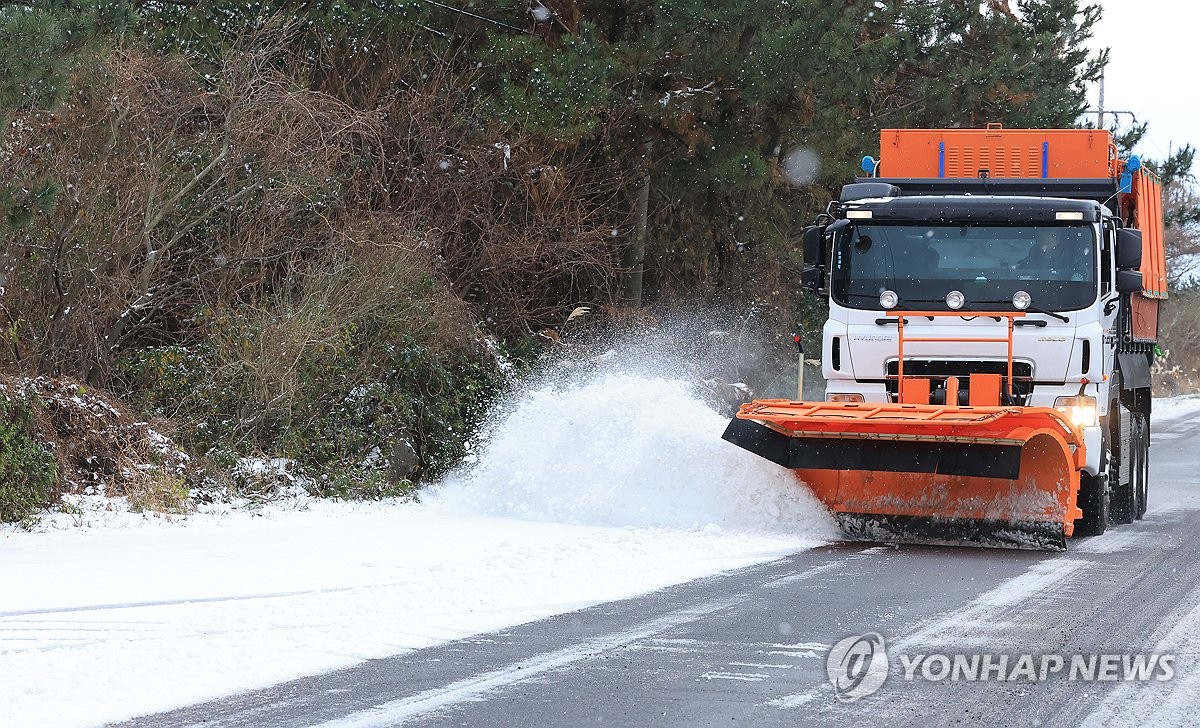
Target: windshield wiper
(1051, 314)
(1031, 309)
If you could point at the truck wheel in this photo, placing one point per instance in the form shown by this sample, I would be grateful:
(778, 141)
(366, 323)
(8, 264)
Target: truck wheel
(1123, 508)
(1093, 500)
(1124, 495)
(1142, 464)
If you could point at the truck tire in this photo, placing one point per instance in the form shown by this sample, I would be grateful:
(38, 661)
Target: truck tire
(1142, 463)
(1094, 502)
(1123, 508)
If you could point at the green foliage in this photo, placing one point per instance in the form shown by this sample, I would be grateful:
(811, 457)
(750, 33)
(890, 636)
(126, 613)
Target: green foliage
(979, 63)
(20, 205)
(561, 92)
(167, 374)
(1177, 167)
(725, 90)
(369, 485)
(356, 398)
(28, 472)
(42, 41)
(433, 401)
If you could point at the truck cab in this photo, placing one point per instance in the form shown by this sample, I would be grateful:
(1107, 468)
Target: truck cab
(993, 308)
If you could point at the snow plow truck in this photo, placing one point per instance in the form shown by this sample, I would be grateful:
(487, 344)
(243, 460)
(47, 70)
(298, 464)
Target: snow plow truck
(993, 313)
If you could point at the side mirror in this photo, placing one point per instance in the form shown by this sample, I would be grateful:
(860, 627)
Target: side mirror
(1129, 281)
(1129, 248)
(812, 278)
(814, 247)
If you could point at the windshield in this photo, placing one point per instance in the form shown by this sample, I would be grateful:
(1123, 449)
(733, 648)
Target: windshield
(988, 264)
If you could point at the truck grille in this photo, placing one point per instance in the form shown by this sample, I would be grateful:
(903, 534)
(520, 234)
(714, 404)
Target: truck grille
(938, 369)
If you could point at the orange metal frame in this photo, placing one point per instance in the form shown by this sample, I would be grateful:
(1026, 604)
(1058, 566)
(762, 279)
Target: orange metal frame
(1009, 315)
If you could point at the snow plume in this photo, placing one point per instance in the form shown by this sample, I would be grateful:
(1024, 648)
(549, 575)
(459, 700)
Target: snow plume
(627, 439)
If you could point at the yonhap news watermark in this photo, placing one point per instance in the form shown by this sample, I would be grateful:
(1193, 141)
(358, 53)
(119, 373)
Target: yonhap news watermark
(859, 665)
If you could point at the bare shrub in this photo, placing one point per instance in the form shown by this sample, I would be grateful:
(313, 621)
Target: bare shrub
(1178, 370)
(391, 287)
(281, 272)
(183, 193)
(525, 230)
(155, 489)
(179, 190)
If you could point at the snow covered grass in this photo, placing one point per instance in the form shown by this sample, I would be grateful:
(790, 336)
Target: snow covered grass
(585, 493)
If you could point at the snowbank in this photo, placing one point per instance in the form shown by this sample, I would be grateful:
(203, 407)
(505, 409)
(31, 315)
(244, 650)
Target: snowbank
(1175, 408)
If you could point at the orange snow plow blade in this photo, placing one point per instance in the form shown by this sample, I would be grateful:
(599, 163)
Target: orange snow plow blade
(992, 476)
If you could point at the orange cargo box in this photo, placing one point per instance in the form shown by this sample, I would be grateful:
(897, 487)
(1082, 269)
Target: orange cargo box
(997, 152)
(1143, 208)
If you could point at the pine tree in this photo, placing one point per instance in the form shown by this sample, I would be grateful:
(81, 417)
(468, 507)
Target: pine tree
(42, 41)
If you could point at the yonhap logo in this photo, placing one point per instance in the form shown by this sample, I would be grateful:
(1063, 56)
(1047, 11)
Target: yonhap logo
(857, 666)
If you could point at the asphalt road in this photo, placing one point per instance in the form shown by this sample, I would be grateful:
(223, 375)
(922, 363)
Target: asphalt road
(750, 647)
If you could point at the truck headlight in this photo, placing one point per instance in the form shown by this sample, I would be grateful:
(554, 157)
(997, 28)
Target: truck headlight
(1081, 411)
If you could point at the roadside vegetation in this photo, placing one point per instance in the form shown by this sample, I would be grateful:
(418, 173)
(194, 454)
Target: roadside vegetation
(330, 234)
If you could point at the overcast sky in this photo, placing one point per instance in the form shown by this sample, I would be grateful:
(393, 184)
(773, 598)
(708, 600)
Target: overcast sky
(1151, 68)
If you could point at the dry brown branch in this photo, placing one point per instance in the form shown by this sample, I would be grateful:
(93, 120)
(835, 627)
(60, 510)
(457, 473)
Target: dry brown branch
(168, 177)
(186, 195)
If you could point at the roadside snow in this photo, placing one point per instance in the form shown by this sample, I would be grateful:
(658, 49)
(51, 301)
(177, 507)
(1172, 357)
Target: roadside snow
(586, 493)
(1174, 408)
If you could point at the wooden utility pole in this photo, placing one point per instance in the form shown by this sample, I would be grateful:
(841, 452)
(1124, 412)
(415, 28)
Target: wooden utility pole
(635, 253)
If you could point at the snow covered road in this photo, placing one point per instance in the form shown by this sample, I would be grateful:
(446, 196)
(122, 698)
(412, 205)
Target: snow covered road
(314, 612)
(750, 646)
